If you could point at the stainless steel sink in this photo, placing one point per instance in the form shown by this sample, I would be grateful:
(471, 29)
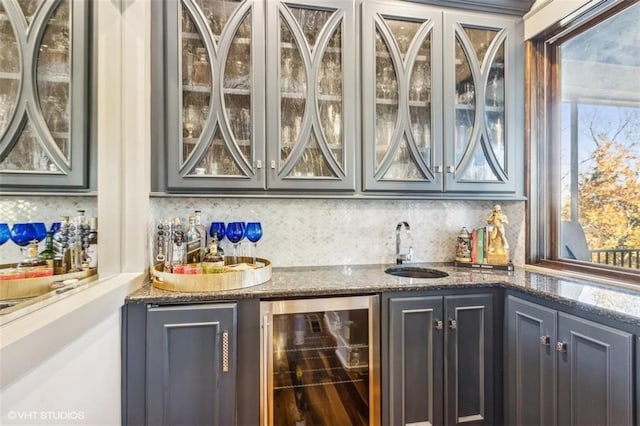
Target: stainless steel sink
(415, 272)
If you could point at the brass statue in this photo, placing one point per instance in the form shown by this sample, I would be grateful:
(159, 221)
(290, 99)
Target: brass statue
(497, 246)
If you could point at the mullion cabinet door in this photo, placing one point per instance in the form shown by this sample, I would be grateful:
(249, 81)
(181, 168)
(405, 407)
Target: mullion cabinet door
(214, 93)
(402, 97)
(44, 63)
(481, 106)
(311, 94)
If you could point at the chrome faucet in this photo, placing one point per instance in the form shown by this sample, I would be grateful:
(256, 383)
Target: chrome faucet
(402, 257)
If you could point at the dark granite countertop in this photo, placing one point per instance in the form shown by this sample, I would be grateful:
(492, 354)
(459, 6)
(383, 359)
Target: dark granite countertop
(614, 302)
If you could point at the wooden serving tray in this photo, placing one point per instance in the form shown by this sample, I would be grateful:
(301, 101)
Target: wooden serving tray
(229, 280)
(30, 287)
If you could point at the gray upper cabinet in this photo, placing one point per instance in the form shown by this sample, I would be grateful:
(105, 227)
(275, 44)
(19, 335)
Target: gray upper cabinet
(483, 103)
(311, 94)
(442, 100)
(214, 108)
(191, 365)
(44, 91)
(216, 135)
(566, 370)
(402, 97)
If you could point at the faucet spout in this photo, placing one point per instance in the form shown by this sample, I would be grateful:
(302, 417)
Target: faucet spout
(399, 256)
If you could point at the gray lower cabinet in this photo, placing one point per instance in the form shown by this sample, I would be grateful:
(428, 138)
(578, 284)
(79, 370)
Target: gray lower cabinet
(187, 364)
(438, 360)
(191, 365)
(565, 370)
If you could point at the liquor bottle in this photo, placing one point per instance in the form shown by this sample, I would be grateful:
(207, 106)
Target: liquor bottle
(212, 263)
(62, 258)
(48, 254)
(193, 242)
(203, 233)
(92, 242)
(178, 246)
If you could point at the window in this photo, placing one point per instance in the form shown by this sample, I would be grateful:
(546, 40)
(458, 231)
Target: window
(585, 143)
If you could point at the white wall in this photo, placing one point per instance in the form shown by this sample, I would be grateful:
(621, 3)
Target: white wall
(79, 384)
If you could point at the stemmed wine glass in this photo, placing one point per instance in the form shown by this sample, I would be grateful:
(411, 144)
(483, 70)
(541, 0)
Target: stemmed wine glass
(40, 231)
(55, 227)
(235, 233)
(253, 234)
(22, 234)
(5, 233)
(218, 228)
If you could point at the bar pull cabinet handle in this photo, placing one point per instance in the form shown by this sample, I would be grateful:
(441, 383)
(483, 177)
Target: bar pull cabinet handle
(453, 324)
(561, 347)
(225, 351)
(439, 325)
(545, 340)
(451, 169)
(438, 168)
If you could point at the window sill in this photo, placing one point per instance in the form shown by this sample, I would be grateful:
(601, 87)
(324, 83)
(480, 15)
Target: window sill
(585, 272)
(27, 341)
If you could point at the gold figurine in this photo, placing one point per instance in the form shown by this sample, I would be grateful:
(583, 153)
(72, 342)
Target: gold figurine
(497, 246)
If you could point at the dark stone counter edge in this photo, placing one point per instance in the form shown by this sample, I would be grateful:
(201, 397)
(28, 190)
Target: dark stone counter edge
(253, 293)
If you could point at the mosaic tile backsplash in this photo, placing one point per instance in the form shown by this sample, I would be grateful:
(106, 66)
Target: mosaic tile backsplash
(39, 209)
(307, 232)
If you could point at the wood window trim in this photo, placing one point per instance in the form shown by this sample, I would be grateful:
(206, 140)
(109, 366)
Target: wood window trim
(543, 197)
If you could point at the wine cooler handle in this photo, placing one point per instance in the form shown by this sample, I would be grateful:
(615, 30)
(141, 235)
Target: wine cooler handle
(225, 351)
(265, 370)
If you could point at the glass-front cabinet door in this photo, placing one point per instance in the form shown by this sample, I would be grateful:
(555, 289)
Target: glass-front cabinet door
(214, 94)
(480, 103)
(311, 94)
(402, 97)
(44, 61)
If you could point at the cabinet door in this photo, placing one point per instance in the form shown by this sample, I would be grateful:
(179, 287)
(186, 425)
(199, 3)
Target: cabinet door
(214, 94)
(402, 97)
(191, 368)
(311, 93)
(483, 115)
(469, 360)
(43, 110)
(413, 352)
(531, 363)
(595, 374)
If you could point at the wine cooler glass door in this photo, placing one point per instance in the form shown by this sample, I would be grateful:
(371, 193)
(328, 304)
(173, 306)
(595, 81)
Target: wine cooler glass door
(318, 360)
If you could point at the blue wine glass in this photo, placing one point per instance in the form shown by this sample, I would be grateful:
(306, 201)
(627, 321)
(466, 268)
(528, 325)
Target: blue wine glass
(218, 228)
(23, 233)
(253, 234)
(40, 231)
(55, 227)
(235, 233)
(5, 233)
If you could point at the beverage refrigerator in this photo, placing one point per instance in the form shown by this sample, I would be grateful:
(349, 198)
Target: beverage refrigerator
(320, 361)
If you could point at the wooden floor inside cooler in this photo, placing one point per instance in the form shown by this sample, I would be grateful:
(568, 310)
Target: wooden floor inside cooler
(334, 396)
